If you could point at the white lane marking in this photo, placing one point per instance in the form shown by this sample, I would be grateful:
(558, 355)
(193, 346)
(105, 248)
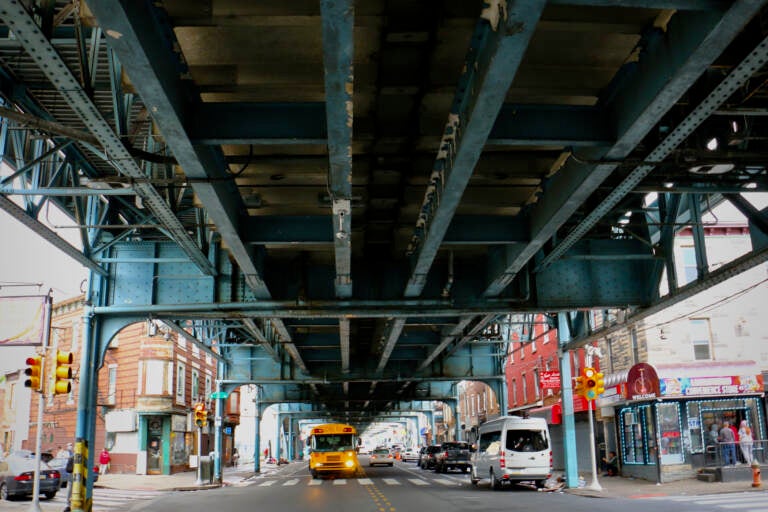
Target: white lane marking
(340, 481)
(417, 481)
(365, 481)
(444, 481)
(390, 481)
(267, 483)
(315, 482)
(292, 481)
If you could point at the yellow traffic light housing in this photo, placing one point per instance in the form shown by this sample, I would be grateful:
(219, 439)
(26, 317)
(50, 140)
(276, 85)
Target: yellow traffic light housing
(35, 373)
(593, 383)
(63, 373)
(578, 388)
(201, 415)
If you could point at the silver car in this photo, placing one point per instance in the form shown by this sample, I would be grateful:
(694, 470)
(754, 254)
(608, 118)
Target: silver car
(17, 478)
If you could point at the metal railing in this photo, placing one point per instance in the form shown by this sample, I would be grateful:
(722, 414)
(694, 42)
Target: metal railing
(728, 454)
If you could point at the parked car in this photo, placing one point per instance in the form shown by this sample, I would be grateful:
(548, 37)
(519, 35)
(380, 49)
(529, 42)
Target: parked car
(17, 478)
(381, 457)
(427, 456)
(410, 455)
(453, 454)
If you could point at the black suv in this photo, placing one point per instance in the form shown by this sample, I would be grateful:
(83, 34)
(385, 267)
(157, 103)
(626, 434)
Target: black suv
(427, 456)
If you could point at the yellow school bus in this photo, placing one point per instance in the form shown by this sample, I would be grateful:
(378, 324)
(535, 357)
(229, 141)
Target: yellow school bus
(333, 449)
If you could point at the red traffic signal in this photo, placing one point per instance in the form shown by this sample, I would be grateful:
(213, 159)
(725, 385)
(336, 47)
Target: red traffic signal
(35, 373)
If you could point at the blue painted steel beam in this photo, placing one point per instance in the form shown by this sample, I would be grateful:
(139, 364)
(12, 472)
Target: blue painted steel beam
(305, 123)
(670, 64)
(143, 43)
(338, 18)
(498, 45)
(47, 58)
(681, 5)
(314, 229)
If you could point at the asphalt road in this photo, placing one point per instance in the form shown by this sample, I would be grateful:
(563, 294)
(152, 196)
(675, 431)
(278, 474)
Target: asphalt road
(402, 488)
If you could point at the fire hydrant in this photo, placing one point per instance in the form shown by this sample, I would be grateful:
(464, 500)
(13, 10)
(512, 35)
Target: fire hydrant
(756, 474)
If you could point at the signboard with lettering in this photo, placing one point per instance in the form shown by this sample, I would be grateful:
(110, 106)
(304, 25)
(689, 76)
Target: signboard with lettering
(699, 386)
(550, 379)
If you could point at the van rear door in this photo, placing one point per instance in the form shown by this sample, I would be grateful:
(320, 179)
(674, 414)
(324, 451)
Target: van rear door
(527, 452)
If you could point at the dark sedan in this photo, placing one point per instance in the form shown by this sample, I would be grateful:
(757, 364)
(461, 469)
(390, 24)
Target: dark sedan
(17, 478)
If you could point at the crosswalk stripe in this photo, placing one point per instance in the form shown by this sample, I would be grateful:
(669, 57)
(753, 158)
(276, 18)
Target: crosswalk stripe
(365, 481)
(444, 481)
(417, 481)
(292, 481)
(340, 481)
(267, 483)
(315, 482)
(390, 481)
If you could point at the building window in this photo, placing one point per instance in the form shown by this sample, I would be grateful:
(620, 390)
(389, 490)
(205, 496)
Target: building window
(533, 345)
(195, 385)
(689, 264)
(180, 383)
(207, 386)
(514, 391)
(156, 377)
(112, 384)
(12, 392)
(700, 339)
(536, 387)
(511, 351)
(524, 380)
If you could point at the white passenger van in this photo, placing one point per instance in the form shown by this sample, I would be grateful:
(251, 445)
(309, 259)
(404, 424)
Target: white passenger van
(513, 449)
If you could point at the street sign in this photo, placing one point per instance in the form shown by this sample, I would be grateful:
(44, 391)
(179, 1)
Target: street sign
(218, 394)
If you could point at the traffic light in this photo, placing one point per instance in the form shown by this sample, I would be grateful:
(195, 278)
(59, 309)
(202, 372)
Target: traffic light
(63, 373)
(201, 415)
(594, 383)
(35, 373)
(578, 388)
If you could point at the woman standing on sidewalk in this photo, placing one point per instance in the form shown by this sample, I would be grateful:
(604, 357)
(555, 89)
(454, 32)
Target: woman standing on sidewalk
(745, 441)
(104, 460)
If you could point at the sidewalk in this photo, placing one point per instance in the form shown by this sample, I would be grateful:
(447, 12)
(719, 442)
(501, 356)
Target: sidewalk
(184, 481)
(612, 487)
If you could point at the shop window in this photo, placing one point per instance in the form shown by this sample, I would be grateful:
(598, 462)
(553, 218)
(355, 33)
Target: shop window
(670, 433)
(195, 385)
(638, 434)
(700, 338)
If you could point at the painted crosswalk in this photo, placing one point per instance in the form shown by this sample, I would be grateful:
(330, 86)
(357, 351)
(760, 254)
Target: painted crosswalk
(743, 502)
(361, 481)
(110, 500)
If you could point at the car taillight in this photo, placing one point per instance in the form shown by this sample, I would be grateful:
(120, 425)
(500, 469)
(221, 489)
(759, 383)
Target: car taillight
(24, 477)
(445, 455)
(502, 462)
(55, 474)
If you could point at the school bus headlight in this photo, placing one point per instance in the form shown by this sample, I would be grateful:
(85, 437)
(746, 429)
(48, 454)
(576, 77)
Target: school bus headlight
(350, 463)
(350, 454)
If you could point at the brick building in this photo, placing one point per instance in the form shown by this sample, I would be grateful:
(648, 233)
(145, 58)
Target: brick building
(148, 385)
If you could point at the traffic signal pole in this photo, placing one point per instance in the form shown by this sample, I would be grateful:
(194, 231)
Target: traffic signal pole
(199, 480)
(35, 506)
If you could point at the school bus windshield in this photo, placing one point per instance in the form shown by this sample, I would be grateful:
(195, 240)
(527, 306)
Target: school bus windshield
(333, 442)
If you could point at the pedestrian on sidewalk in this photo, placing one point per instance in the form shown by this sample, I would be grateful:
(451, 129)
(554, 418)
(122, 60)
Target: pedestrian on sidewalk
(728, 443)
(745, 442)
(104, 460)
(235, 457)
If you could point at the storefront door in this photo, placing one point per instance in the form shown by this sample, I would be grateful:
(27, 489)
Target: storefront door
(155, 446)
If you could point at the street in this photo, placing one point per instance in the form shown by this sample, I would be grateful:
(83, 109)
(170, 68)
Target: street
(401, 488)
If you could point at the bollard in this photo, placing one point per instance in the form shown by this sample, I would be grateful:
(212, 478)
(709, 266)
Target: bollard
(756, 474)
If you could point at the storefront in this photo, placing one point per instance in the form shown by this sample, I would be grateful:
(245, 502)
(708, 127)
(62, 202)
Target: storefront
(664, 414)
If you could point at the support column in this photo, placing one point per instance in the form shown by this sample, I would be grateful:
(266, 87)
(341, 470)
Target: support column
(279, 442)
(290, 439)
(569, 422)
(217, 437)
(257, 435)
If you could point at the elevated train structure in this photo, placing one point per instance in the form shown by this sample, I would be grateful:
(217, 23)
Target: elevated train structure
(340, 197)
